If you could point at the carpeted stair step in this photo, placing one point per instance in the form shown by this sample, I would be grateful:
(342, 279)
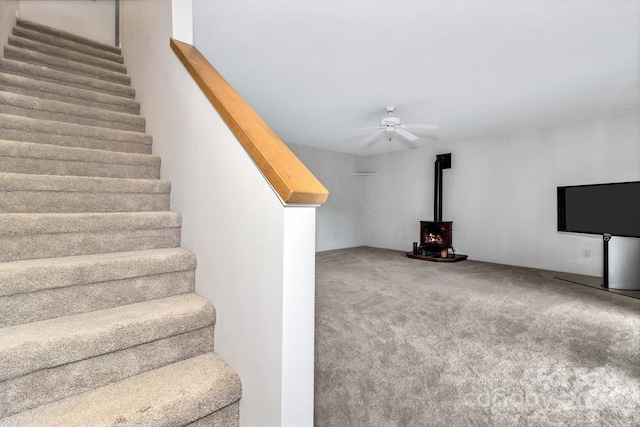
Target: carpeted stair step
(52, 348)
(66, 54)
(39, 289)
(46, 159)
(49, 235)
(40, 345)
(59, 34)
(17, 128)
(202, 390)
(36, 108)
(31, 193)
(67, 44)
(24, 69)
(62, 93)
(61, 64)
(49, 385)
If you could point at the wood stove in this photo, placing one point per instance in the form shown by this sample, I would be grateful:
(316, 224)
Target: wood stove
(436, 237)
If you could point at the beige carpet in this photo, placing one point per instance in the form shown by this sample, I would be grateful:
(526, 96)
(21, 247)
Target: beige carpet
(402, 342)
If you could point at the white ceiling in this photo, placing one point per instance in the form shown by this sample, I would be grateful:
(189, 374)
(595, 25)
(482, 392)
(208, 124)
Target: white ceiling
(316, 70)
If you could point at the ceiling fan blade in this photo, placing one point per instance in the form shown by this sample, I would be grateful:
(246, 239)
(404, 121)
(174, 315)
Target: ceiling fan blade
(406, 134)
(430, 127)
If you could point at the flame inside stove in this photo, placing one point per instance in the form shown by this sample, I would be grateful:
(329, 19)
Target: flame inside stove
(433, 238)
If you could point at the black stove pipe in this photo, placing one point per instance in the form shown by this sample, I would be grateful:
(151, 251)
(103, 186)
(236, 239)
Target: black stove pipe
(443, 161)
(437, 192)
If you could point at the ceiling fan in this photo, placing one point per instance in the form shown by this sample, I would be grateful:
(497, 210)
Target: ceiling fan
(391, 124)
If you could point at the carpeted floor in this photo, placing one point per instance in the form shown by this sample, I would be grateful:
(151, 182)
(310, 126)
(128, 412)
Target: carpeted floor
(402, 342)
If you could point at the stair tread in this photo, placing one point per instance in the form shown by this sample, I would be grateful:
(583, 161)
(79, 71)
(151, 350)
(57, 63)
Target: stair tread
(50, 127)
(56, 152)
(173, 395)
(20, 22)
(51, 106)
(53, 223)
(36, 158)
(54, 384)
(72, 129)
(71, 95)
(67, 44)
(50, 235)
(44, 344)
(71, 67)
(47, 74)
(69, 55)
(67, 183)
(48, 273)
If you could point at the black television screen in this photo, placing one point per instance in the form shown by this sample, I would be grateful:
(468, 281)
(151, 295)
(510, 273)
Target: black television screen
(602, 208)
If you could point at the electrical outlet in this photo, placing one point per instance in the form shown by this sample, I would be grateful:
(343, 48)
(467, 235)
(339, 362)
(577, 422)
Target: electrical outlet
(586, 253)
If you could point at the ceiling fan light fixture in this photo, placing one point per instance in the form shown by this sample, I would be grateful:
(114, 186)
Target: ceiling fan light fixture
(392, 124)
(390, 121)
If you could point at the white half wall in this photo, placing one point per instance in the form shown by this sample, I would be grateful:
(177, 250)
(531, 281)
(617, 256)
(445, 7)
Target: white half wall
(88, 18)
(256, 258)
(501, 191)
(298, 317)
(339, 220)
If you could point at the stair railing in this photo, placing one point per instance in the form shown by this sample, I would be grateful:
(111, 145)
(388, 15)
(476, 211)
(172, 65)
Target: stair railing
(288, 176)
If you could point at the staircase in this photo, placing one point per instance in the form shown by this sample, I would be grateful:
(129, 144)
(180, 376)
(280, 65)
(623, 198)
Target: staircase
(100, 325)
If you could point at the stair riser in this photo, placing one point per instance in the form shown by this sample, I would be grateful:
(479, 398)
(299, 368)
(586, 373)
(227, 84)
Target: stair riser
(36, 346)
(73, 98)
(68, 118)
(66, 36)
(49, 385)
(45, 74)
(50, 303)
(77, 168)
(66, 202)
(67, 44)
(59, 64)
(66, 54)
(12, 126)
(73, 141)
(44, 109)
(31, 276)
(83, 243)
(45, 159)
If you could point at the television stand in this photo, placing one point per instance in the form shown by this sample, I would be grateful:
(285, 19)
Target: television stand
(605, 260)
(620, 262)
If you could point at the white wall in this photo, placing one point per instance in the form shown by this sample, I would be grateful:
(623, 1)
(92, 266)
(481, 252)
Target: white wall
(255, 256)
(87, 18)
(8, 10)
(339, 220)
(501, 191)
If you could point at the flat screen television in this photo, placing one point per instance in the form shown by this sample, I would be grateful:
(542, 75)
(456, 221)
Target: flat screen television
(601, 208)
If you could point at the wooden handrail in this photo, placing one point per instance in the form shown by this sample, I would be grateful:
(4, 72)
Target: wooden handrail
(287, 174)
